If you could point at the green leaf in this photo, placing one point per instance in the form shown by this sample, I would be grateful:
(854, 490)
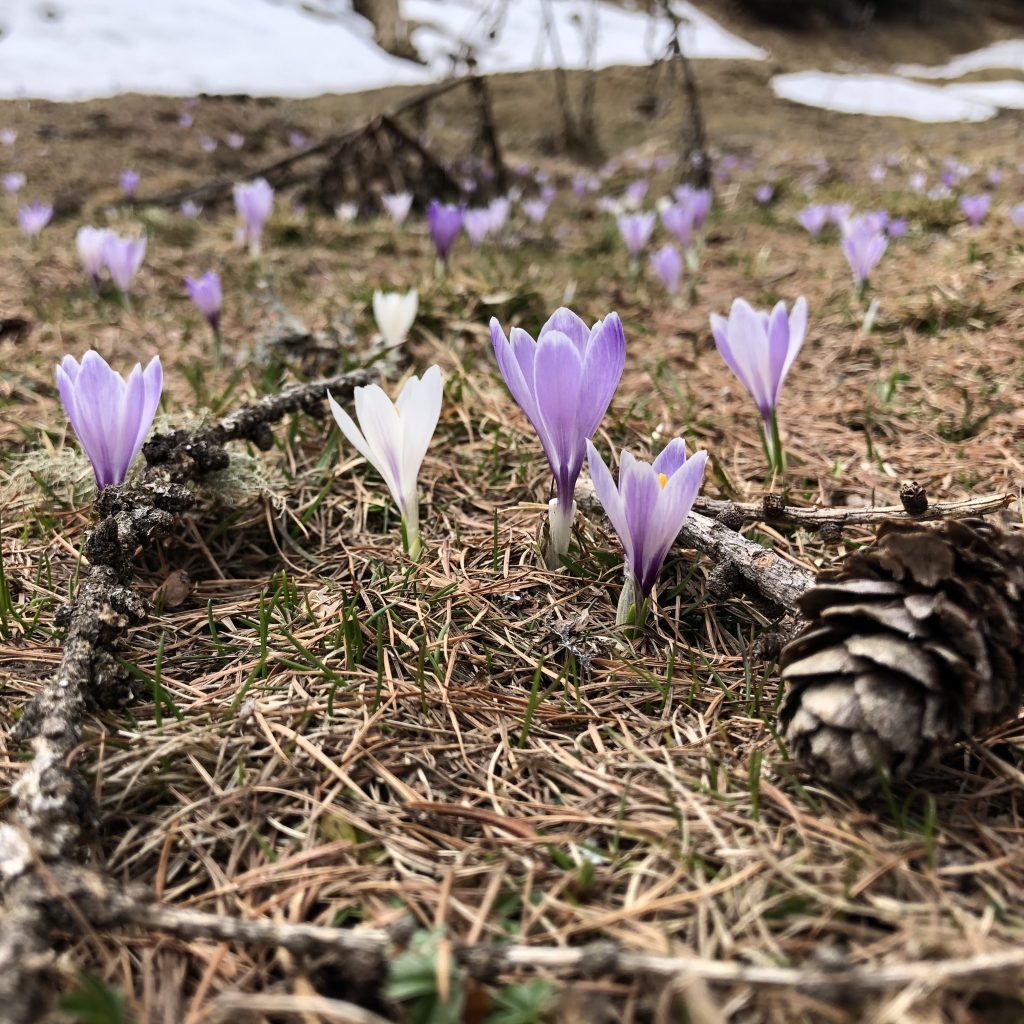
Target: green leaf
(522, 1004)
(94, 1002)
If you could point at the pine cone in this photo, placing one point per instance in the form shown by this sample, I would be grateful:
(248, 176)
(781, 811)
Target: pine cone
(914, 643)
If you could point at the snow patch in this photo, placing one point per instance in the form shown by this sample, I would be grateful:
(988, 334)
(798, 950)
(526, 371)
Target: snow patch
(1008, 54)
(82, 49)
(880, 96)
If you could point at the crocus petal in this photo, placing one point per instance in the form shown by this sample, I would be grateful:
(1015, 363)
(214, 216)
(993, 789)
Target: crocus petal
(671, 458)
(797, 333)
(515, 362)
(382, 428)
(602, 371)
(640, 488)
(558, 374)
(611, 500)
(778, 349)
(569, 324)
(419, 408)
(747, 337)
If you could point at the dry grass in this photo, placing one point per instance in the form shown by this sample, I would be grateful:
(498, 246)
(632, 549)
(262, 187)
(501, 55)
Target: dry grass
(324, 732)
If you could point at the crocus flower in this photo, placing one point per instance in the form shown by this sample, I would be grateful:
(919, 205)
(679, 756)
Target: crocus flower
(186, 120)
(813, 218)
(839, 213)
(90, 242)
(346, 212)
(636, 229)
(477, 225)
(207, 144)
(647, 510)
(499, 208)
(668, 265)
(8, 137)
(975, 208)
(1017, 215)
(110, 415)
(122, 257)
(34, 217)
(897, 227)
(918, 182)
(235, 140)
(254, 202)
(394, 437)
(564, 382)
(206, 293)
(397, 206)
(190, 208)
(395, 313)
(696, 200)
(297, 139)
(634, 194)
(863, 245)
(764, 194)
(760, 348)
(678, 221)
(14, 182)
(994, 177)
(445, 223)
(877, 173)
(535, 209)
(129, 183)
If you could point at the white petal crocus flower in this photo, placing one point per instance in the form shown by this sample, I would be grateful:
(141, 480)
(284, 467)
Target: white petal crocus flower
(395, 313)
(393, 437)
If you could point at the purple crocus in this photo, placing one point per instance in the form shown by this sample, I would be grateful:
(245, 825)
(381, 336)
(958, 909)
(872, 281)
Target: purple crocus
(764, 194)
(697, 200)
(647, 509)
(397, 206)
(190, 208)
(236, 140)
(760, 348)
(668, 265)
(254, 202)
(975, 208)
(122, 257)
(1017, 215)
(636, 229)
(8, 137)
(445, 223)
(813, 218)
(477, 225)
(863, 246)
(34, 217)
(110, 415)
(205, 292)
(535, 209)
(130, 183)
(14, 182)
(90, 242)
(897, 227)
(635, 192)
(564, 382)
(678, 221)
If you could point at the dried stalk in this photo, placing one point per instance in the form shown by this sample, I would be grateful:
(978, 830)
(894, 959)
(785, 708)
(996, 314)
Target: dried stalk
(52, 810)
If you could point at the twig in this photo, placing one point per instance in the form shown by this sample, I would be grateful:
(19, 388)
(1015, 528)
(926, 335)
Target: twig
(52, 807)
(369, 949)
(827, 519)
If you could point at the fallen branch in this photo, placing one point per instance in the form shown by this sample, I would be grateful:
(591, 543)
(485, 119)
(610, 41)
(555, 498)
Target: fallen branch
(773, 510)
(369, 950)
(52, 808)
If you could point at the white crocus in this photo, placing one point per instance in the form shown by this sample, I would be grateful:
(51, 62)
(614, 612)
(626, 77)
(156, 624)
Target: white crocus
(393, 437)
(395, 313)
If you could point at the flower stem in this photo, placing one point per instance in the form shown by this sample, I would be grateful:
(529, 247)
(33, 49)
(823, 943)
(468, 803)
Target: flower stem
(556, 543)
(773, 450)
(631, 612)
(411, 540)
